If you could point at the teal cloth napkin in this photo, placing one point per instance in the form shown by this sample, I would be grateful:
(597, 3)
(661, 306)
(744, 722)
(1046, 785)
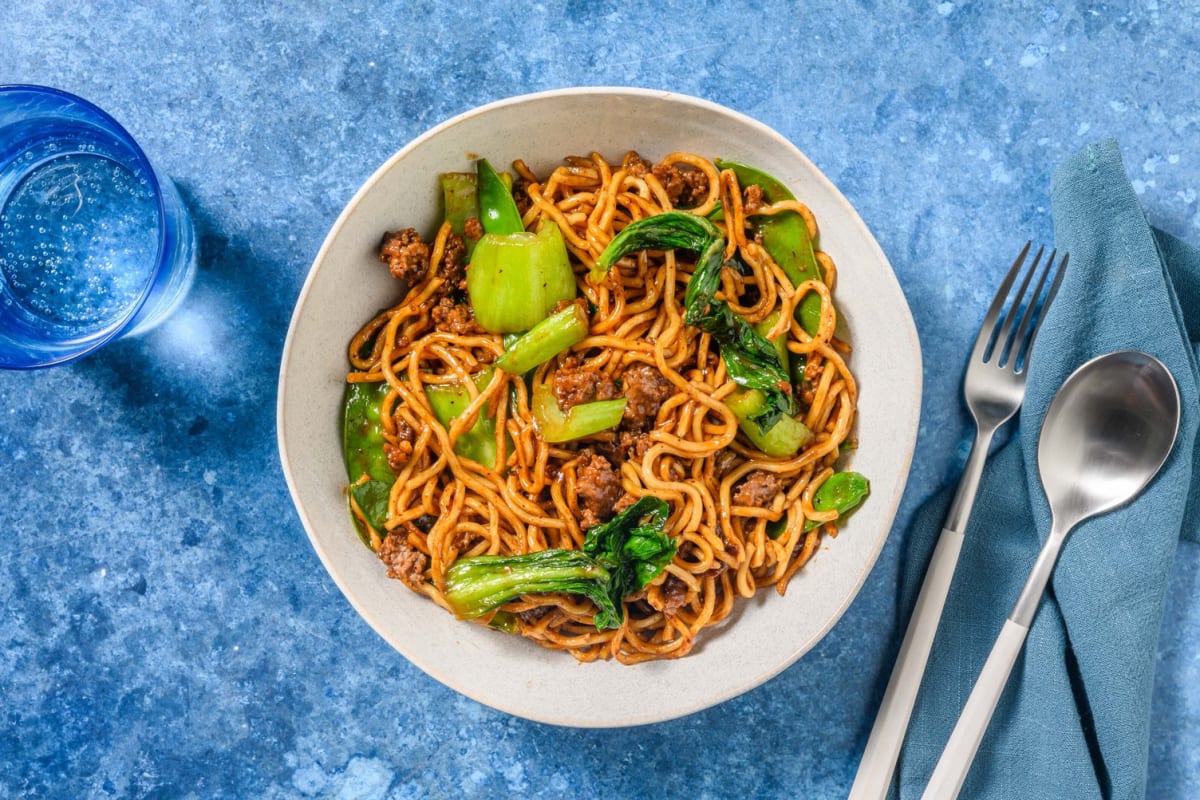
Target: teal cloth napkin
(1074, 719)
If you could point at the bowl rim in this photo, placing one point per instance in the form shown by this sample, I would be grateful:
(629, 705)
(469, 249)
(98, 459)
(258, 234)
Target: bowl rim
(746, 682)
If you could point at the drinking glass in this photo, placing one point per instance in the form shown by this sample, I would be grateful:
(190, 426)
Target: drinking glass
(94, 244)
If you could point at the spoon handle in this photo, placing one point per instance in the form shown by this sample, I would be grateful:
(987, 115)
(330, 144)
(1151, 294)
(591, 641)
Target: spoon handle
(874, 776)
(956, 759)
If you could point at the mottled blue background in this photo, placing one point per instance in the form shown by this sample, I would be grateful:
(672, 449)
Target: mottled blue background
(166, 629)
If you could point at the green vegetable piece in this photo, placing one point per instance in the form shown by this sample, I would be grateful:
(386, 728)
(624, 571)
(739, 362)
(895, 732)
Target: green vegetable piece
(786, 436)
(764, 326)
(505, 621)
(841, 492)
(580, 420)
(514, 281)
(545, 340)
(362, 432)
(449, 401)
(498, 210)
(751, 361)
(634, 550)
(785, 237)
(479, 584)
(619, 557)
(372, 500)
(362, 448)
(460, 202)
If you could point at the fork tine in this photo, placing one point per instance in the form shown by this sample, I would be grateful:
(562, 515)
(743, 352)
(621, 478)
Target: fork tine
(1006, 330)
(1030, 332)
(987, 328)
(1016, 343)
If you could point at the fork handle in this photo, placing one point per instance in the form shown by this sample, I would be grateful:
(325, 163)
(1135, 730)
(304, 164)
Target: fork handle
(883, 746)
(875, 770)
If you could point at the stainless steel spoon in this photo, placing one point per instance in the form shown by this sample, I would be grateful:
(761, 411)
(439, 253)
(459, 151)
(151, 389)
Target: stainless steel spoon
(1106, 434)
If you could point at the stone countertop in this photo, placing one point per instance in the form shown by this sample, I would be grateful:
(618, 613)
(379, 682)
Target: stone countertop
(166, 629)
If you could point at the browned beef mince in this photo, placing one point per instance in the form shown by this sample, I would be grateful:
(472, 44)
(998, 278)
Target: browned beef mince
(457, 318)
(406, 255)
(398, 454)
(625, 446)
(403, 561)
(752, 199)
(453, 266)
(635, 165)
(597, 487)
(685, 186)
(473, 229)
(674, 595)
(645, 391)
(575, 383)
(757, 490)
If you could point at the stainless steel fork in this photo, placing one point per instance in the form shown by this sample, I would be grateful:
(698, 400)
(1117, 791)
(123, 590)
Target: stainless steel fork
(994, 388)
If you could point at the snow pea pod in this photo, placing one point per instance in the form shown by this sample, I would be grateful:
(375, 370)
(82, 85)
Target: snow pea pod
(785, 236)
(498, 210)
(362, 447)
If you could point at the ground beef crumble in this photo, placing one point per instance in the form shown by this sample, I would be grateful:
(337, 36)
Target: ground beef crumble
(752, 199)
(456, 318)
(597, 487)
(403, 561)
(757, 490)
(645, 391)
(685, 186)
(453, 266)
(398, 454)
(575, 383)
(406, 255)
(674, 595)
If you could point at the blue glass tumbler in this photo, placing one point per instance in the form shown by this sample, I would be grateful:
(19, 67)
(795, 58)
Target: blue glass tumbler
(94, 244)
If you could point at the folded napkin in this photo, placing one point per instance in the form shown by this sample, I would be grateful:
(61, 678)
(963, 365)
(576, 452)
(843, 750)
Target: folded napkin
(1074, 720)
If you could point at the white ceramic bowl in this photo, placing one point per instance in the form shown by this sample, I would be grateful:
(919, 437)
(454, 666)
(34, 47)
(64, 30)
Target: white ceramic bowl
(347, 285)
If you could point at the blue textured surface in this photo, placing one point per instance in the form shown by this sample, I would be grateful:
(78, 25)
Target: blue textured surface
(165, 628)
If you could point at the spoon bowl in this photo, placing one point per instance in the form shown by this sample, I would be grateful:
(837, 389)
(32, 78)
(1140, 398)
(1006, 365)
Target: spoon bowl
(1106, 434)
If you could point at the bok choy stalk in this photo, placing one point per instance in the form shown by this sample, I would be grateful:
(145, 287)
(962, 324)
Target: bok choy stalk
(515, 277)
(785, 237)
(460, 202)
(751, 361)
(580, 420)
(618, 558)
(545, 340)
(362, 447)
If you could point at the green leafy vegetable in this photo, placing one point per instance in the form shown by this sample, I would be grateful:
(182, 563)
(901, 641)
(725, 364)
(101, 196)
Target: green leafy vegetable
(545, 340)
(618, 558)
(751, 361)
